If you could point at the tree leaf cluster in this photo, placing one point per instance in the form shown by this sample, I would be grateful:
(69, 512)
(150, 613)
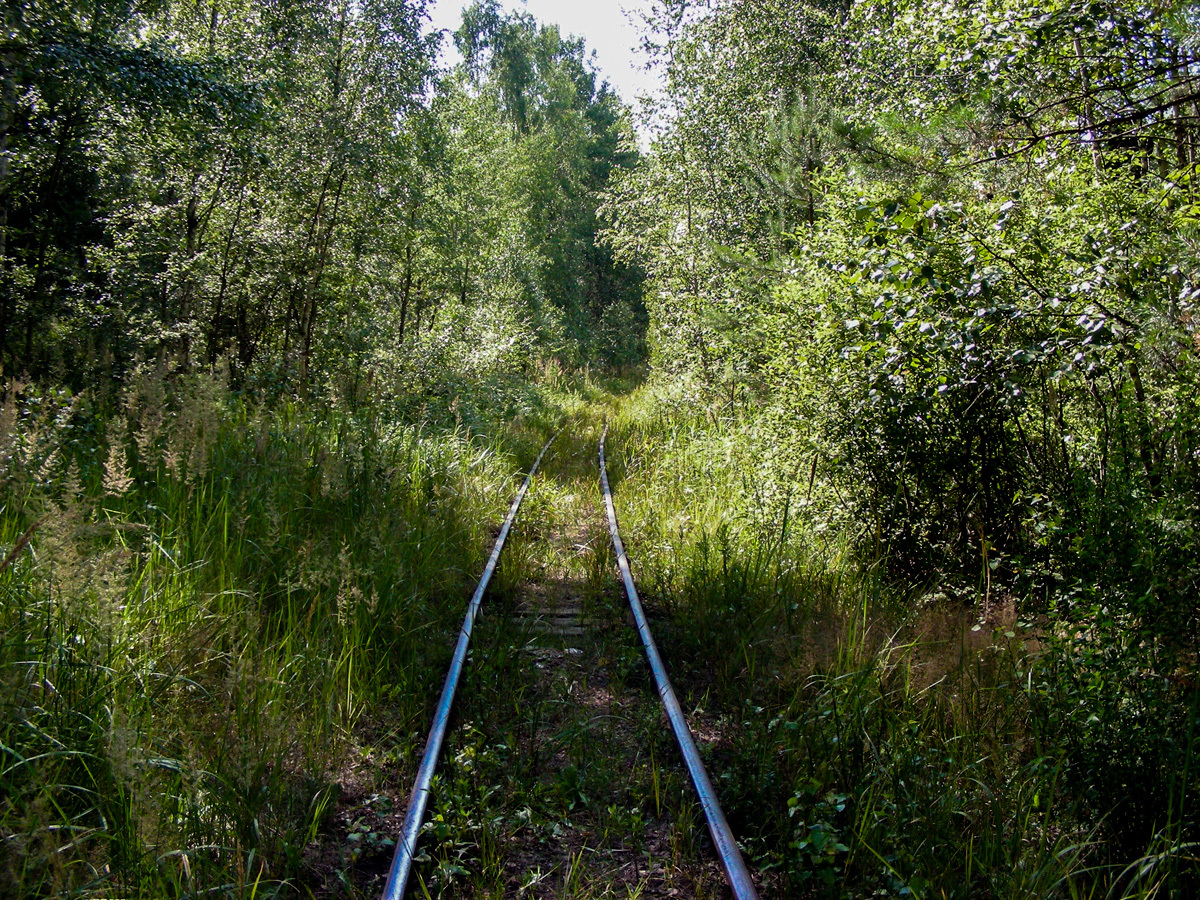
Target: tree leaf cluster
(299, 189)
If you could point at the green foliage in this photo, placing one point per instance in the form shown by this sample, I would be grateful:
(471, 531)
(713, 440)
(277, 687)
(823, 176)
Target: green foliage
(939, 263)
(204, 601)
(953, 259)
(295, 190)
(1127, 725)
(873, 745)
(572, 136)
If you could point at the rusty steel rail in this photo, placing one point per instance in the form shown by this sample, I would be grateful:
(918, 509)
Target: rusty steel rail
(406, 847)
(727, 849)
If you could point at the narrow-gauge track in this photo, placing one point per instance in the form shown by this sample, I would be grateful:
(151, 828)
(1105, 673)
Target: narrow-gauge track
(406, 848)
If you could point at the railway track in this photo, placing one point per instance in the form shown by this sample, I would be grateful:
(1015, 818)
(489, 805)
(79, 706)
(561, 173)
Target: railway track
(564, 620)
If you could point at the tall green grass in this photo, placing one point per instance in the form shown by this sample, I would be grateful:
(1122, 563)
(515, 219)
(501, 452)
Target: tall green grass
(877, 739)
(220, 607)
(216, 616)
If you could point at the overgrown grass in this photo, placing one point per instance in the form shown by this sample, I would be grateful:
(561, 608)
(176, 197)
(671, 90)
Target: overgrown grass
(212, 609)
(217, 617)
(882, 740)
(561, 779)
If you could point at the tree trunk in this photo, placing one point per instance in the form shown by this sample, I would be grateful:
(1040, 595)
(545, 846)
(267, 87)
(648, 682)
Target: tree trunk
(1145, 430)
(1089, 112)
(8, 103)
(1183, 154)
(66, 133)
(216, 334)
(188, 288)
(408, 271)
(310, 320)
(407, 290)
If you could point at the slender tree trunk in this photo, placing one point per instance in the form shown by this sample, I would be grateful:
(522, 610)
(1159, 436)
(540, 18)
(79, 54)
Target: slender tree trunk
(419, 310)
(8, 104)
(188, 287)
(1145, 431)
(408, 271)
(297, 304)
(216, 335)
(407, 290)
(1183, 155)
(66, 134)
(1102, 479)
(195, 227)
(693, 280)
(244, 344)
(213, 19)
(310, 320)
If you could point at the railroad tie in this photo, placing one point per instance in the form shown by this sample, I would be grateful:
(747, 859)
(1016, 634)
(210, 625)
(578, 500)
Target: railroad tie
(558, 618)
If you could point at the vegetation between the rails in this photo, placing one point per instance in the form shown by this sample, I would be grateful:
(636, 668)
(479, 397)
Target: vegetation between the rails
(910, 486)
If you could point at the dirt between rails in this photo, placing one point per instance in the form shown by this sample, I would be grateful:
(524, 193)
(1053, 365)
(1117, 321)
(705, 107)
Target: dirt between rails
(560, 777)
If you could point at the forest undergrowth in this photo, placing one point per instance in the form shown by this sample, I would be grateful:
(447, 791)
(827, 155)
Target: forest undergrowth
(937, 740)
(224, 625)
(209, 604)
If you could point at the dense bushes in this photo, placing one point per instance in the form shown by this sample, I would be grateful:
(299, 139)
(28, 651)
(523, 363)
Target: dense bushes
(939, 263)
(879, 738)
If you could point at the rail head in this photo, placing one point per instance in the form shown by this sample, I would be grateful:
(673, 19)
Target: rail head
(406, 847)
(736, 872)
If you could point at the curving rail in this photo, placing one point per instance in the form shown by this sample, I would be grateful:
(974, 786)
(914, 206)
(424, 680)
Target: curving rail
(727, 849)
(406, 847)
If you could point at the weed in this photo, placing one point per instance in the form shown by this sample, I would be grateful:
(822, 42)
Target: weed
(199, 623)
(863, 742)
